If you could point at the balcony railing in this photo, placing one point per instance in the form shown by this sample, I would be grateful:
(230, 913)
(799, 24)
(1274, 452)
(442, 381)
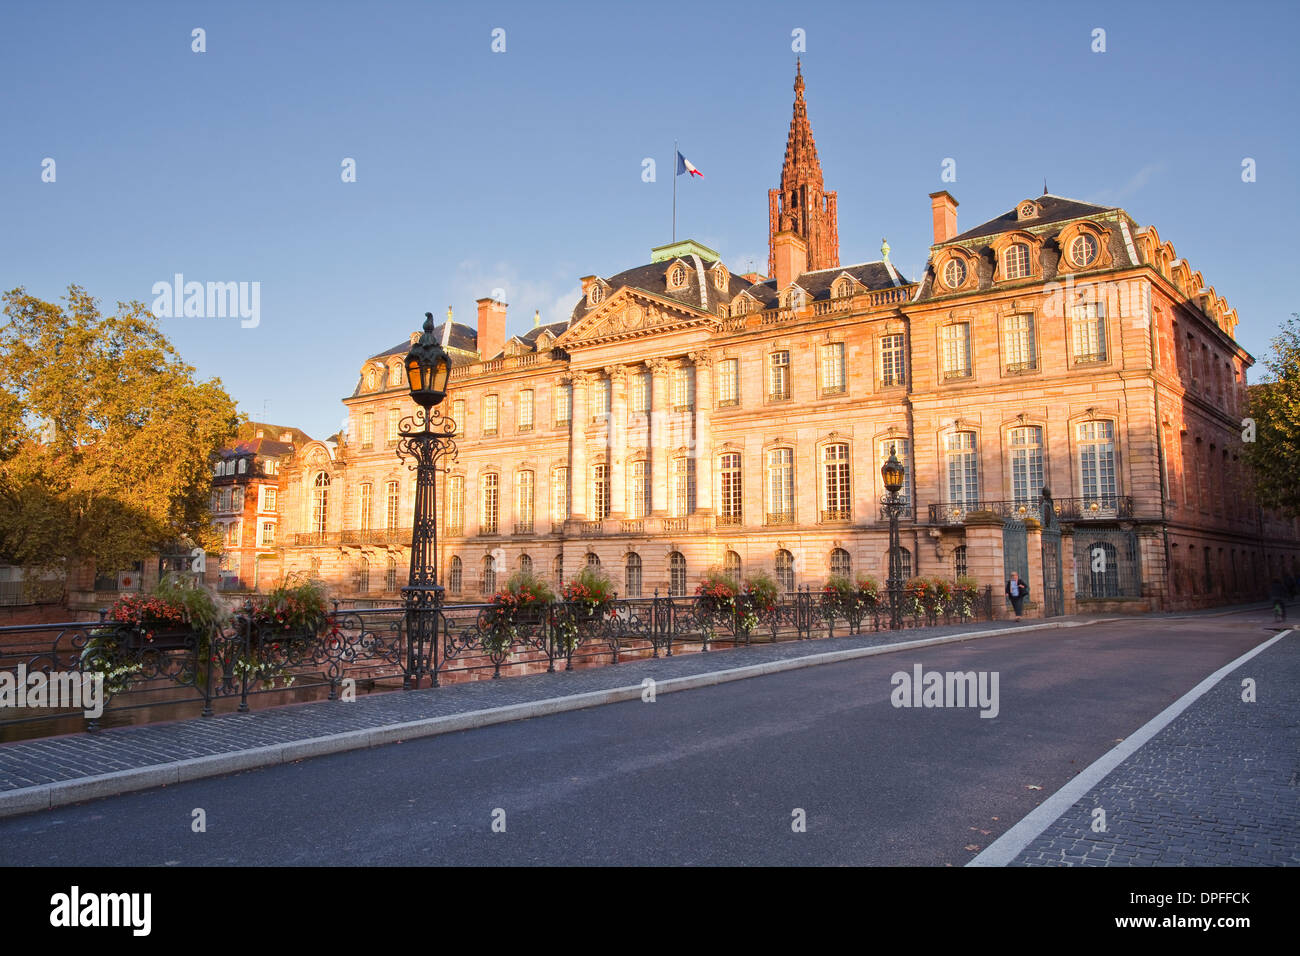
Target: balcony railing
(729, 521)
(523, 527)
(778, 517)
(836, 514)
(1086, 508)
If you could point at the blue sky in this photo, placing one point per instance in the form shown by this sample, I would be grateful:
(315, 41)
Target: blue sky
(522, 170)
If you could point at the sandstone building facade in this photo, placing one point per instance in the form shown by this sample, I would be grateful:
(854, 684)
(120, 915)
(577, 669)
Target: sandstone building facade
(685, 417)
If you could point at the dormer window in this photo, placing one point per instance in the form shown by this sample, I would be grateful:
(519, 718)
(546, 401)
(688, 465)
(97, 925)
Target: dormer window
(1027, 210)
(843, 288)
(677, 277)
(792, 298)
(740, 306)
(1015, 261)
(595, 293)
(395, 375)
(954, 274)
(370, 379)
(1083, 250)
(720, 277)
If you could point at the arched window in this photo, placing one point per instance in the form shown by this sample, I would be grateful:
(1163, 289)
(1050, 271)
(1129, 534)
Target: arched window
(370, 378)
(963, 469)
(841, 563)
(363, 575)
(525, 564)
(1097, 466)
(632, 575)
(390, 578)
(731, 567)
(785, 571)
(904, 564)
(395, 374)
(1083, 250)
(455, 575)
(676, 575)
(320, 503)
(954, 273)
(1016, 261)
(676, 277)
(488, 583)
(780, 486)
(593, 560)
(1026, 464)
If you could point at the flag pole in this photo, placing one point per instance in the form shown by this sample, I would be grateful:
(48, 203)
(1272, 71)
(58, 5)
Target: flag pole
(674, 190)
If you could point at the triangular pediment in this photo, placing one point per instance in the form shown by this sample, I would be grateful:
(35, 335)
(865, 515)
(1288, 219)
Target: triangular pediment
(629, 314)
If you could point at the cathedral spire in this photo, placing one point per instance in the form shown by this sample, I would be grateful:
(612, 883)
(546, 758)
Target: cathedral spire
(802, 205)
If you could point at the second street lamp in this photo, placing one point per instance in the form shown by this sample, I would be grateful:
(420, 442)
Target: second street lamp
(427, 436)
(894, 474)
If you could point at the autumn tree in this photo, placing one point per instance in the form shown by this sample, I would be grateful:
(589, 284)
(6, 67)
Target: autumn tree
(106, 436)
(1275, 411)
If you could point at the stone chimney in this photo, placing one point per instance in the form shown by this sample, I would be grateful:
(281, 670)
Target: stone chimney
(944, 210)
(491, 328)
(790, 253)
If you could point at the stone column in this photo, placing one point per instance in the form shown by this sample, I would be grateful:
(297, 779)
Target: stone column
(703, 432)
(659, 452)
(984, 556)
(578, 446)
(617, 439)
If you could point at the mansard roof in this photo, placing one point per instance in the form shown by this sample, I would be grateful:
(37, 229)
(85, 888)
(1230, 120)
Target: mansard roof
(653, 277)
(873, 275)
(463, 337)
(1054, 209)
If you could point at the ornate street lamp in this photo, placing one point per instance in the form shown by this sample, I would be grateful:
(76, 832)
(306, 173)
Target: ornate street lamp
(893, 474)
(427, 436)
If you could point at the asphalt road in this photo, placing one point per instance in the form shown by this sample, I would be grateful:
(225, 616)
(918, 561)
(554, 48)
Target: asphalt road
(710, 776)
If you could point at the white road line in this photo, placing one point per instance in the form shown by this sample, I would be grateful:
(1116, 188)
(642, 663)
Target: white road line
(1010, 845)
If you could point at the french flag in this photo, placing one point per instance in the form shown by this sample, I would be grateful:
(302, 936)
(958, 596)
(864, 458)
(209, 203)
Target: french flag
(684, 166)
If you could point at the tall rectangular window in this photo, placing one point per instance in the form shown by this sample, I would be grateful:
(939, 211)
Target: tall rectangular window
(600, 492)
(394, 416)
(524, 418)
(956, 350)
(1018, 348)
(456, 504)
(780, 486)
(731, 499)
(367, 491)
(683, 479)
(1097, 462)
(639, 385)
(1089, 332)
(600, 399)
(268, 534)
(458, 415)
(778, 382)
(683, 389)
(524, 502)
(963, 469)
(559, 494)
(891, 360)
(490, 410)
(394, 495)
(563, 403)
(367, 430)
(638, 494)
(728, 382)
(1026, 464)
(833, 382)
(490, 512)
(268, 499)
(835, 485)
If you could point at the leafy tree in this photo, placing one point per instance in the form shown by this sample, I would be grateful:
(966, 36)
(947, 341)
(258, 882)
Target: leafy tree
(106, 438)
(1275, 408)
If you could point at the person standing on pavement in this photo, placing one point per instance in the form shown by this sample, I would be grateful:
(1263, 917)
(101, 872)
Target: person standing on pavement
(1017, 591)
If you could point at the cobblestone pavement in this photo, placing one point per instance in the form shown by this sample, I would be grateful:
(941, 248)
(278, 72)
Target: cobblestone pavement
(1219, 786)
(32, 763)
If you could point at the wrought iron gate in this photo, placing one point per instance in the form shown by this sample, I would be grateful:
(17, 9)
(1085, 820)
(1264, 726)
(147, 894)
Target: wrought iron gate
(1053, 603)
(1015, 549)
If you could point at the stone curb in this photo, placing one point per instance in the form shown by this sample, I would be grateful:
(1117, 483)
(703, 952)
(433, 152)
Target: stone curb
(65, 792)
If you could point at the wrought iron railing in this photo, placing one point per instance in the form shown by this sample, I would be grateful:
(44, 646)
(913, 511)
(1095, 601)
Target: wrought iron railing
(1084, 508)
(244, 659)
